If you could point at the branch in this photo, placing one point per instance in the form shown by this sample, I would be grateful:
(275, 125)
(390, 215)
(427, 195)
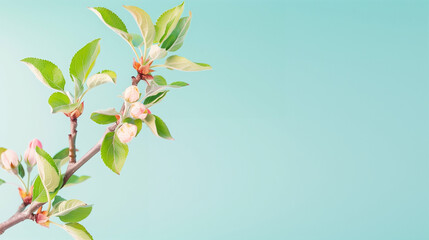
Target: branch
(72, 140)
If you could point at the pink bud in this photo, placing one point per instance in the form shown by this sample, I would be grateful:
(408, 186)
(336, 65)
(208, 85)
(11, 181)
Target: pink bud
(30, 153)
(9, 159)
(131, 94)
(126, 132)
(138, 110)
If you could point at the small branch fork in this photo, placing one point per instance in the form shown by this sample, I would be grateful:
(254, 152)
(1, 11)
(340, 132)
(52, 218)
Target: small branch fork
(22, 213)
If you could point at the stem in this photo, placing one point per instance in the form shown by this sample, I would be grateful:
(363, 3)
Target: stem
(28, 180)
(72, 140)
(23, 184)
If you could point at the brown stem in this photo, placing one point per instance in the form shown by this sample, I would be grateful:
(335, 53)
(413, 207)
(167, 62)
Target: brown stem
(72, 140)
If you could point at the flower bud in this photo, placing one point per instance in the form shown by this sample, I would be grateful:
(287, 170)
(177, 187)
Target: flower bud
(42, 218)
(131, 94)
(126, 132)
(138, 111)
(26, 196)
(76, 113)
(9, 160)
(156, 52)
(30, 153)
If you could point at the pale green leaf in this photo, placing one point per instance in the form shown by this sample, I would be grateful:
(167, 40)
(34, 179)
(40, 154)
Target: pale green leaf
(66, 108)
(145, 24)
(177, 37)
(48, 171)
(58, 100)
(113, 152)
(105, 116)
(178, 84)
(71, 210)
(63, 153)
(183, 64)
(167, 22)
(47, 72)
(73, 180)
(99, 79)
(57, 200)
(77, 231)
(113, 22)
(160, 80)
(158, 127)
(137, 40)
(2, 181)
(39, 193)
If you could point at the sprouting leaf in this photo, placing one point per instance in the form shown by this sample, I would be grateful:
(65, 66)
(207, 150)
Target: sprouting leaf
(105, 116)
(137, 122)
(158, 127)
(113, 152)
(47, 72)
(160, 80)
(152, 100)
(39, 193)
(178, 84)
(48, 171)
(113, 22)
(71, 210)
(21, 170)
(77, 231)
(145, 24)
(65, 108)
(183, 64)
(63, 153)
(137, 40)
(57, 200)
(101, 78)
(167, 22)
(177, 37)
(2, 181)
(83, 62)
(73, 180)
(57, 101)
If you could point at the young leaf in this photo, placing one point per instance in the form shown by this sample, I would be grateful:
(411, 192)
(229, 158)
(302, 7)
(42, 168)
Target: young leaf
(71, 211)
(113, 152)
(48, 171)
(177, 37)
(101, 78)
(77, 231)
(64, 108)
(39, 193)
(57, 200)
(160, 80)
(178, 84)
(62, 154)
(2, 181)
(21, 170)
(152, 100)
(137, 122)
(105, 116)
(113, 22)
(183, 64)
(137, 40)
(47, 72)
(57, 101)
(167, 22)
(145, 24)
(83, 62)
(73, 180)
(158, 127)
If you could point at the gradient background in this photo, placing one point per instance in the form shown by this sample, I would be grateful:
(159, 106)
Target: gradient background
(312, 125)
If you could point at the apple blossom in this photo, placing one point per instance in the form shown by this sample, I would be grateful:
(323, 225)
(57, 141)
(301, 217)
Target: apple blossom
(9, 160)
(139, 111)
(126, 132)
(30, 153)
(131, 94)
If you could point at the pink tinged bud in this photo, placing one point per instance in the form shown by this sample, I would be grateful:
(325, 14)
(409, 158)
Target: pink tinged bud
(30, 153)
(9, 159)
(138, 111)
(42, 218)
(131, 94)
(126, 132)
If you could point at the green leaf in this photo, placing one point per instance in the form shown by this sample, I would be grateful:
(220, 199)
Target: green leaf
(57, 200)
(77, 231)
(73, 180)
(82, 63)
(137, 40)
(47, 72)
(158, 127)
(152, 100)
(167, 22)
(71, 210)
(113, 152)
(113, 22)
(183, 64)
(48, 171)
(2, 150)
(137, 122)
(64, 108)
(160, 80)
(177, 37)
(178, 84)
(39, 193)
(145, 24)
(63, 153)
(2, 181)
(58, 100)
(105, 116)
(101, 78)
(21, 170)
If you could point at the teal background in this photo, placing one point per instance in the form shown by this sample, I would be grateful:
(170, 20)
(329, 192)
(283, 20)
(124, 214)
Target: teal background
(312, 125)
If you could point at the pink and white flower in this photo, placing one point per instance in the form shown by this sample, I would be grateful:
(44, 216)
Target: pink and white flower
(139, 111)
(131, 94)
(126, 132)
(9, 160)
(30, 153)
